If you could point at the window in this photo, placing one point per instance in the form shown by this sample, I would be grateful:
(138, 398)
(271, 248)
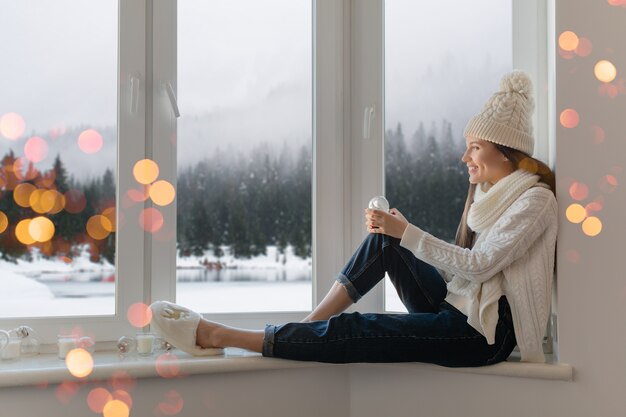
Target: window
(244, 156)
(432, 89)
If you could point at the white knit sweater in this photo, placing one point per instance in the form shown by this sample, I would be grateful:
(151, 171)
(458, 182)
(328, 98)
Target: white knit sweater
(514, 257)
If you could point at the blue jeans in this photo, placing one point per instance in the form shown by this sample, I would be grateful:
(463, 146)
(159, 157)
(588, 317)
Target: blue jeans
(433, 331)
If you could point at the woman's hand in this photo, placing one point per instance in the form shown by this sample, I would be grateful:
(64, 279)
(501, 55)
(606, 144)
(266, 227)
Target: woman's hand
(393, 223)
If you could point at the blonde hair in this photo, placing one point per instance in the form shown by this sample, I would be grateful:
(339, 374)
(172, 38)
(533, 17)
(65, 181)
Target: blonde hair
(465, 235)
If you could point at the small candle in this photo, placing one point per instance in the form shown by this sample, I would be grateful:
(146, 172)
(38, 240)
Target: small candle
(66, 343)
(12, 349)
(144, 343)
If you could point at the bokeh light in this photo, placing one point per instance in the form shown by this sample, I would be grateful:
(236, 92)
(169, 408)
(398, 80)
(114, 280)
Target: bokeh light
(123, 396)
(167, 365)
(116, 408)
(593, 207)
(121, 380)
(573, 256)
(578, 191)
(79, 362)
(584, 47)
(41, 201)
(162, 193)
(24, 169)
(592, 226)
(605, 71)
(575, 213)
(57, 198)
(139, 195)
(75, 201)
(145, 171)
(173, 403)
(568, 41)
(22, 192)
(22, 234)
(98, 227)
(139, 315)
(4, 222)
(12, 126)
(97, 399)
(569, 118)
(566, 54)
(109, 213)
(151, 220)
(41, 229)
(36, 149)
(607, 184)
(66, 391)
(90, 141)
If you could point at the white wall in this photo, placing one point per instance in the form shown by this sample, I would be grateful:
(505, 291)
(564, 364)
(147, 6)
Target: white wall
(591, 293)
(310, 392)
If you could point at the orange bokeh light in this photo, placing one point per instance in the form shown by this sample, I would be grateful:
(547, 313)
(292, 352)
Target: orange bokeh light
(90, 141)
(57, 198)
(121, 380)
(151, 220)
(575, 213)
(123, 396)
(79, 362)
(12, 126)
(109, 213)
(569, 118)
(162, 193)
(75, 201)
(41, 229)
(592, 226)
(22, 234)
(139, 195)
(573, 256)
(139, 315)
(36, 149)
(598, 135)
(578, 191)
(97, 399)
(23, 169)
(145, 171)
(584, 47)
(605, 71)
(568, 41)
(4, 222)
(66, 391)
(608, 183)
(22, 192)
(98, 227)
(41, 201)
(173, 403)
(116, 408)
(167, 365)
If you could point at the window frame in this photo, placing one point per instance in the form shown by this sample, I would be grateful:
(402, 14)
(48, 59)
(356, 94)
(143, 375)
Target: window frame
(129, 237)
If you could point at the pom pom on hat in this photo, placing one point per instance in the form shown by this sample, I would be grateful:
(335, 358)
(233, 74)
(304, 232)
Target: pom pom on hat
(506, 118)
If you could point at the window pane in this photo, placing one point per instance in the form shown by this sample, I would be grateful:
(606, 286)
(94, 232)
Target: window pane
(244, 155)
(443, 60)
(58, 144)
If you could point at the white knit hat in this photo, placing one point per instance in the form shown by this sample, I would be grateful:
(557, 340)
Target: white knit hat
(506, 118)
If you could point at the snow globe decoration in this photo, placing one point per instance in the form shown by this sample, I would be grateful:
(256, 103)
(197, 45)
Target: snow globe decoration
(30, 340)
(379, 203)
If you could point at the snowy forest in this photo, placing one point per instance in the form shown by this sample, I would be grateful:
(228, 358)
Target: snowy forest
(248, 201)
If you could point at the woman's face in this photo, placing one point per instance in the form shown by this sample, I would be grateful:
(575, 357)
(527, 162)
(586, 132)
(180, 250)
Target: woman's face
(485, 163)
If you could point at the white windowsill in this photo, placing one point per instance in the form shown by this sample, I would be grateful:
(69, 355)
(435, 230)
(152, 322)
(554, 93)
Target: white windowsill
(48, 369)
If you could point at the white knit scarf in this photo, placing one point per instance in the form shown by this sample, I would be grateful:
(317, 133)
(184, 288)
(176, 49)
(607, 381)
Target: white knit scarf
(490, 201)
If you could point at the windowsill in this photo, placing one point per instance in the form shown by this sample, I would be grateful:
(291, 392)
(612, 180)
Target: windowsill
(47, 369)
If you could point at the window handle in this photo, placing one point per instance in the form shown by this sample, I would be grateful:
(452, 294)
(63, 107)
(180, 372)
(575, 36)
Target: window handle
(170, 94)
(135, 81)
(368, 115)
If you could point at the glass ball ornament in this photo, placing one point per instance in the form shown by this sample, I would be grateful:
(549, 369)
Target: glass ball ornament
(4, 338)
(31, 341)
(126, 345)
(161, 345)
(379, 203)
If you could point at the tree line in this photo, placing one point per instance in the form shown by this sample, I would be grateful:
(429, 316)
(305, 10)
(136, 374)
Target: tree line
(248, 201)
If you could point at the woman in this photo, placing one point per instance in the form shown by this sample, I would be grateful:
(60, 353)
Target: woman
(469, 304)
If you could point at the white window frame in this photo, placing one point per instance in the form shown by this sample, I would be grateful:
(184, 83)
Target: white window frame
(130, 148)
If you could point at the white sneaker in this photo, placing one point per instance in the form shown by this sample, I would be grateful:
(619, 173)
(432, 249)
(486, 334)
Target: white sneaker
(178, 325)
